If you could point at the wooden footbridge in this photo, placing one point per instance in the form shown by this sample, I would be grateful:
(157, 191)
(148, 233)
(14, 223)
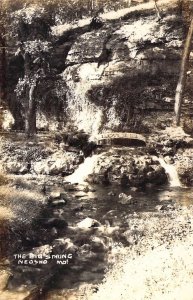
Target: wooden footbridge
(126, 139)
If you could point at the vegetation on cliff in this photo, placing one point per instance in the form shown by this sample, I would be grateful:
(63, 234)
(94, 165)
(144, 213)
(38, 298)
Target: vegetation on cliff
(38, 57)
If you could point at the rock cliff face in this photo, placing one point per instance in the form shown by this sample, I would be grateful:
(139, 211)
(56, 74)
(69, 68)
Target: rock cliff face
(116, 75)
(113, 73)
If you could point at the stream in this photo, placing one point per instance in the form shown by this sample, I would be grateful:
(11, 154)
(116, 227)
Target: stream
(88, 222)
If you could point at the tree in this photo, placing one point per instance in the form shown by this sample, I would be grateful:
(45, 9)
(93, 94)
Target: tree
(2, 55)
(33, 53)
(157, 10)
(183, 74)
(32, 32)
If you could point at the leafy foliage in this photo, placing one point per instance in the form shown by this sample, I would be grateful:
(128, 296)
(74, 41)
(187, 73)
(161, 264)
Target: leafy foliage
(62, 10)
(130, 96)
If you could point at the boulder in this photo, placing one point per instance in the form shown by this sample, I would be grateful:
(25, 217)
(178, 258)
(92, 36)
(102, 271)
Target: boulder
(125, 199)
(4, 278)
(98, 245)
(42, 251)
(58, 163)
(58, 203)
(62, 245)
(56, 222)
(135, 170)
(184, 165)
(55, 195)
(15, 167)
(88, 223)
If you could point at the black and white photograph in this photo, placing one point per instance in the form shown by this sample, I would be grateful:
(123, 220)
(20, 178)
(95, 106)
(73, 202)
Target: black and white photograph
(96, 149)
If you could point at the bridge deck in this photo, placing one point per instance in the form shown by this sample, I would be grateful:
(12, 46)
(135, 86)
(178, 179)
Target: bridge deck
(122, 139)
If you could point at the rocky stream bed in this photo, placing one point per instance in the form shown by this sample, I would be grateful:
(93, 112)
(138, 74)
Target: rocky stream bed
(67, 238)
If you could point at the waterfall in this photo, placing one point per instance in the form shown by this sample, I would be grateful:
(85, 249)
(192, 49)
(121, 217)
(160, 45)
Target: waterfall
(172, 173)
(85, 114)
(85, 169)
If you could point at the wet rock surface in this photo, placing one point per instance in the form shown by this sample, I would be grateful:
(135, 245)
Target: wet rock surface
(175, 146)
(128, 170)
(184, 166)
(38, 157)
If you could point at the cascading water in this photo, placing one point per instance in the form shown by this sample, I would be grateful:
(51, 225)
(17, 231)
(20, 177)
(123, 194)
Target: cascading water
(85, 114)
(172, 173)
(85, 169)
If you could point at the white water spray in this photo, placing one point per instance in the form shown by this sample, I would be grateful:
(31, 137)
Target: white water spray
(82, 112)
(85, 169)
(172, 173)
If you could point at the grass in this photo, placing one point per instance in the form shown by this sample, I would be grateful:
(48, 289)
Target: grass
(23, 203)
(3, 179)
(18, 208)
(5, 214)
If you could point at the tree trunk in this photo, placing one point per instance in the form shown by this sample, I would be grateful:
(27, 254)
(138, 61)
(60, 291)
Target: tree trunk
(30, 104)
(3, 68)
(182, 79)
(2, 65)
(157, 10)
(30, 119)
(92, 7)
